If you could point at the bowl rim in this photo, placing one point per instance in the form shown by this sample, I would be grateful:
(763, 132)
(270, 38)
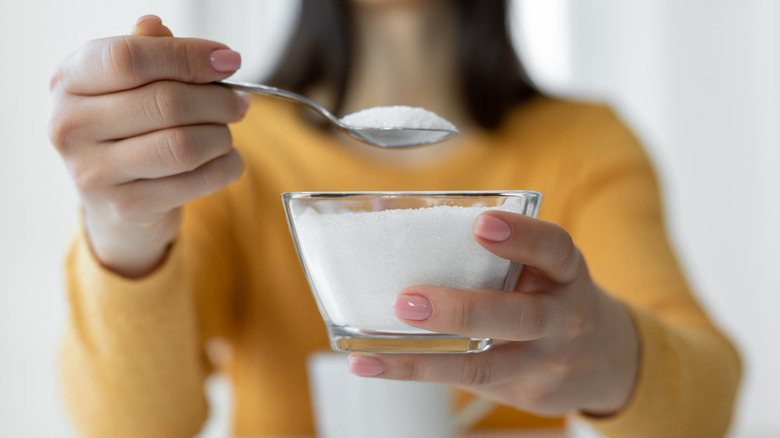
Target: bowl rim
(531, 194)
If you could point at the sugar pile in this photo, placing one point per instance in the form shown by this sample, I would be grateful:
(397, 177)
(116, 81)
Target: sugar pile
(396, 117)
(360, 261)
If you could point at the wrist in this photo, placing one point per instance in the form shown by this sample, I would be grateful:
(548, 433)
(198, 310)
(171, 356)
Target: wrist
(619, 358)
(129, 249)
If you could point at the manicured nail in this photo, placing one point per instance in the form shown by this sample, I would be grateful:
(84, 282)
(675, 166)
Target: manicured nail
(365, 366)
(225, 61)
(414, 307)
(492, 228)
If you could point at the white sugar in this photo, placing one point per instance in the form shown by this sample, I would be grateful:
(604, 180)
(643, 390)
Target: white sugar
(360, 261)
(397, 117)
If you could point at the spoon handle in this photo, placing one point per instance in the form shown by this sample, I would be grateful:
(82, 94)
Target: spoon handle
(268, 90)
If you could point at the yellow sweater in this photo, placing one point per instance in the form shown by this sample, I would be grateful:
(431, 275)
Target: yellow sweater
(133, 357)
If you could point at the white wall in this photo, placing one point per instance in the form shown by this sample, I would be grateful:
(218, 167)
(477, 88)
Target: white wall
(697, 79)
(700, 82)
(725, 143)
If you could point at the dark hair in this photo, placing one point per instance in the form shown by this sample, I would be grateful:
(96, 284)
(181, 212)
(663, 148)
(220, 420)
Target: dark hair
(492, 77)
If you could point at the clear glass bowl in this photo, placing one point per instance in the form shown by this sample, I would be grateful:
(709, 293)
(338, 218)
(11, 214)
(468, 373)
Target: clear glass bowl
(359, 250)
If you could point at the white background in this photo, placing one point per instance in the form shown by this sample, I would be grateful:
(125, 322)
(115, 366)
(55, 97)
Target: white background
(699, 80)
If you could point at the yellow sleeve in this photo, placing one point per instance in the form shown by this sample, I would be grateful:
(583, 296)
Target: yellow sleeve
(689, 371)
(132, 358)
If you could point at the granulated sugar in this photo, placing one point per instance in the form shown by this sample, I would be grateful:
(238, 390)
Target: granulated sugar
(360, 261)
(397, 117)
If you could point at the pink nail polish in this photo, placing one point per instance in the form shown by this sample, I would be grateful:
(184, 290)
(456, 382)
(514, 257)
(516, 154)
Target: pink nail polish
(492, 228)
(414, 307)
(365, 366)
(225, 61)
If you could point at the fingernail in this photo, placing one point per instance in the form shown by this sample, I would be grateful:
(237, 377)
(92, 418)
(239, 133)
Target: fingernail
(365, 366)
(414, 307)
(139, 22)
(492, 228)
(243, 100)
(225, 60)
(148, 17)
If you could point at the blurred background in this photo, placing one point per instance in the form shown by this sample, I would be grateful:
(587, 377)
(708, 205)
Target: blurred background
(698, 80)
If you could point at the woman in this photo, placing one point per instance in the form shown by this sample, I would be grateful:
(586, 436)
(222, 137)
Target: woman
(180, 248)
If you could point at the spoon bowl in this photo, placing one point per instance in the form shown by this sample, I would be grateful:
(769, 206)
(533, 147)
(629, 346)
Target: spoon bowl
(400, 136)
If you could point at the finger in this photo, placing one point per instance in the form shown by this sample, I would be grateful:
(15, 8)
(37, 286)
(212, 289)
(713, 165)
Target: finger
(511, 316)
(142, 198)
(152, 156)
(156, 106)
(150, 25)
(126, 62)
(169, 152)
(545, 247)
(500, 364)
(523, 375)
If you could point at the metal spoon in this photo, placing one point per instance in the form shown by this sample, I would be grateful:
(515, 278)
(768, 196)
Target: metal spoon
(397, 137)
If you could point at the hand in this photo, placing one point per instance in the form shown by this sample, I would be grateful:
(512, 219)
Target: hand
(143, 132)
(564, 345)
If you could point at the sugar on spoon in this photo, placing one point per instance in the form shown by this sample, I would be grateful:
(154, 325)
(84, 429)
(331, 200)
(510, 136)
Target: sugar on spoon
(382, 126)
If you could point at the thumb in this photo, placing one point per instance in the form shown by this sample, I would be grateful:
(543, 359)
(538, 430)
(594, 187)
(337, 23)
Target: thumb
(150, 25)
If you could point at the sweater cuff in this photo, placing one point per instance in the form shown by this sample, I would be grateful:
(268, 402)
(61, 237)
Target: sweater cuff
(112, 291)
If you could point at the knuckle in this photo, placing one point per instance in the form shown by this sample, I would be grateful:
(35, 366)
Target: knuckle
(168, 103)
(62, 129)
(567, 255)
(578, 322)
(411, 368)
(88, 179)
(535, 248)
(531, 320)
(192, 66)
(118, 57)
(475, 372)
(176, 150)
(462, 318)
(414, 370)
(557, 367)
(183, 60)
